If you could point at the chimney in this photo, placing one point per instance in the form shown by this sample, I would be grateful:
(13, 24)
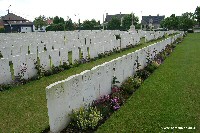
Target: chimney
(8, 9)
(157, 14)
(106, 14)
(120, 13)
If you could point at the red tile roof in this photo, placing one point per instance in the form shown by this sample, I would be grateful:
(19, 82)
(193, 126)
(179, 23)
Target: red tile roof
(49, 21)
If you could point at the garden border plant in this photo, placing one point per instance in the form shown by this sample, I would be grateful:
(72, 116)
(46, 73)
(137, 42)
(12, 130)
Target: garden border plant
(108, 104)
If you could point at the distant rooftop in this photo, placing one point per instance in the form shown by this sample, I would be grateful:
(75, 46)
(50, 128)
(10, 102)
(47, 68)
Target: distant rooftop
(109, 17)
(12, 17)
(155, 19)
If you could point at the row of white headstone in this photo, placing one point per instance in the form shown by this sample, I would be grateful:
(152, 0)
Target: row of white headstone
(34, 43)
(81, 89)
(24, 61)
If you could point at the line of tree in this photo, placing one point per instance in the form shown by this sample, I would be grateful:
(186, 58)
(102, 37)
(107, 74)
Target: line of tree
(124, 23)
(184, 22)
(59, 24)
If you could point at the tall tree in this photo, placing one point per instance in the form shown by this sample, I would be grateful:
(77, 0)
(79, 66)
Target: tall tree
(87, 25)
(186, 21)
(69, 25)
(58, 20)
(114, 24)
(171, 23)
(127, 21)
(90, 25)
(183, 22)
(40, 21)
(197, 14)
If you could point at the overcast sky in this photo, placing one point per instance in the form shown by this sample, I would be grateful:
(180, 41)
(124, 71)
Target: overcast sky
(89, 9)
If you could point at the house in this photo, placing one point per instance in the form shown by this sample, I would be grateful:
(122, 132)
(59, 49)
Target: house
(14, 23)
(151, 22)
(1, 23)
(109, 17)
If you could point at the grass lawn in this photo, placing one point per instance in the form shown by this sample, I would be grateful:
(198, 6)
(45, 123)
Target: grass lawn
(170, 97)
(24, 109)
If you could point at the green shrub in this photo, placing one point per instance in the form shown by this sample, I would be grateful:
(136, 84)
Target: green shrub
(152, 66)
(101, 55)
(142, 74)
(2, 30)
(57, 69)
(48, 72)
(85, 119)
(131, 84)
(40, 70)
(65, 66)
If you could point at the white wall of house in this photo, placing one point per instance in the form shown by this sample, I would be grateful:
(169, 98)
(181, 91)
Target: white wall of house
(26, 29)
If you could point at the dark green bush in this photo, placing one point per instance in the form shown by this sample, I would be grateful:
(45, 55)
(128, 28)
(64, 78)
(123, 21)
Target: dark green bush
(65, 66)
(48, 72)
(4, 87)
(101, 55)
(2, 30)
(57, 69)
(142, 74)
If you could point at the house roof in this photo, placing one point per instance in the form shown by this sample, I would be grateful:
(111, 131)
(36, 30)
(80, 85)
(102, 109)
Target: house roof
(12, 17)
(109, 17)
(49, 21)
(155, 19)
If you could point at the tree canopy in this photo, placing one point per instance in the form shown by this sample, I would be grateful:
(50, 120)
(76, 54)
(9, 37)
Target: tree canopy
(90, 25)
(186, 21)
(183, 22)
(69, 25)
(197, 14)
(127, 21)
(114, 24)
(58, 20)
(171, 23)
(40, 21)
(61, 25)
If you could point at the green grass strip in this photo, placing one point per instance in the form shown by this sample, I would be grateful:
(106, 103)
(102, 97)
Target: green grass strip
(170, 97)
(24, 109)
